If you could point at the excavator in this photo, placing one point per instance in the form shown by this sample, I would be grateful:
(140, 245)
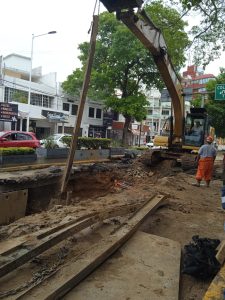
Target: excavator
(187, 132)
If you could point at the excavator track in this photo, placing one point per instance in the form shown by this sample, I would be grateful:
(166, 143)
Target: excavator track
(154, 156)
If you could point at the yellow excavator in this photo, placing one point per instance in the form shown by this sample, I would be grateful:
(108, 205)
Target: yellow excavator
(187, 132)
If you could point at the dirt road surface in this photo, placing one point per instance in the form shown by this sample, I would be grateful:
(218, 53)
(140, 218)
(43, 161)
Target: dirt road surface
(190, 211)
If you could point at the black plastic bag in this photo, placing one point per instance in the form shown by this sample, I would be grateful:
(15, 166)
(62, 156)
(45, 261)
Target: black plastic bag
(199, 258)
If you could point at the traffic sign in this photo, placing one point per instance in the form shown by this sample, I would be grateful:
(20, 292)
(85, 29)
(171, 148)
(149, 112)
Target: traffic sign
(220, 92)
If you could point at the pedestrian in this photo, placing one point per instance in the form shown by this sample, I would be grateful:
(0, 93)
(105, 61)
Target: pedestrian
(205, 159)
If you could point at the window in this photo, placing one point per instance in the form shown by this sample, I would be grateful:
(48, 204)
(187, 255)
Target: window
(98, 113)
(91, 112)
(150, 112)
(23, 136)
(47, 101)
(15, 95)
(74, 109)
(66, 107)
(36, 99)
(165, 112)
(11, 137)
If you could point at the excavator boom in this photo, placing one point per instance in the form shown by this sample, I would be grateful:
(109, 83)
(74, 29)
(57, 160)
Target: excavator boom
(151, 37)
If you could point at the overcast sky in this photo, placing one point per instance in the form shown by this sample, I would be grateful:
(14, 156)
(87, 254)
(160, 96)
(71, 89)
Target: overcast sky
(58, 52)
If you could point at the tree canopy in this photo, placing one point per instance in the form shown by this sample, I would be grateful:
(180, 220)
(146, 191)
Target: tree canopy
(216, 108)
(207, 32)
(123, 67)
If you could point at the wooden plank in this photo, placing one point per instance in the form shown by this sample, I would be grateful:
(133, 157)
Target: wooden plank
(56, 288)
(220, 256)
(83, 96)
(38, 247)
(217, 287)
(11, 245)
(146, 267)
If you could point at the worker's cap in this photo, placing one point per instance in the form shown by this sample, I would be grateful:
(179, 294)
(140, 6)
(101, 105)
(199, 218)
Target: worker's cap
(209, 139)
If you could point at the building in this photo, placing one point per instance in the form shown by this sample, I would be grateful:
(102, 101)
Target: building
(50, 110)
(154, 113)
(194, 83)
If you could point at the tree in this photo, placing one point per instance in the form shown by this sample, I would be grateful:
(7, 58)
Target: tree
(215, 108)
(123, 67)
(207, 35)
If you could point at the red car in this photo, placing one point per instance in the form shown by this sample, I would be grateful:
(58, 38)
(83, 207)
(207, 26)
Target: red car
(18, 139)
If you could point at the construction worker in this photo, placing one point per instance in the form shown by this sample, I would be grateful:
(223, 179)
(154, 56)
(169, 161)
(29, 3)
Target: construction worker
(205, 159)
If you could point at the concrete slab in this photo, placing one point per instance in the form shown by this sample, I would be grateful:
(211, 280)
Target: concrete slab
(147, 267)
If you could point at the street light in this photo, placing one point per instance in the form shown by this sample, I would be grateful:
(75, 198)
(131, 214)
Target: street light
(30, 75)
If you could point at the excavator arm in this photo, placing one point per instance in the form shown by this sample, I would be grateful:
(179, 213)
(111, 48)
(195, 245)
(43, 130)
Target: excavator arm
(151, 37)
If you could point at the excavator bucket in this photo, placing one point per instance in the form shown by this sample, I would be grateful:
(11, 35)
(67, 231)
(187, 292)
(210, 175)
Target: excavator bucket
(118, 5)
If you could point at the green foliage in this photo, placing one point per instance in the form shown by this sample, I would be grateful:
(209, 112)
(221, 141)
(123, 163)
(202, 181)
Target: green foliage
(122, 65)
(172, 26)
(16, 151)
(134, 106)
(207, 33)
(88, 143)
(50, 143)
(196, 102)
(20, 96)
(215, 108)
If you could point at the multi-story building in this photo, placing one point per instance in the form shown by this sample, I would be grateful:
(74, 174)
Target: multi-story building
(154, 112)
(50, 110)
(194, 83)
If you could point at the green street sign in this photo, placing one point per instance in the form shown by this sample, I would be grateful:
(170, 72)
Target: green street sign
(220, 92)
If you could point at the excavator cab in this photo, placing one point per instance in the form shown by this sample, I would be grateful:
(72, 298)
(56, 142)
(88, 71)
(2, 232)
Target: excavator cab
(196, 128)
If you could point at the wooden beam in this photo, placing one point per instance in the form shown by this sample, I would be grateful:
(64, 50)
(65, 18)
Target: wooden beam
(220, 256)
(217, 287)
(38, 247)
(56, 288)
(83, 96)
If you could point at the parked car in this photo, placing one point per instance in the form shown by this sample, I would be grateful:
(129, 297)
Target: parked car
(57, 139)
(18, 139)
(150, 144)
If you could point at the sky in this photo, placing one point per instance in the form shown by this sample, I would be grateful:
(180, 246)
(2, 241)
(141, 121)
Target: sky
(57, 52)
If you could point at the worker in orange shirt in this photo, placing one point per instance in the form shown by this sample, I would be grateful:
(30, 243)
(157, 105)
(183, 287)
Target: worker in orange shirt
(206, 157)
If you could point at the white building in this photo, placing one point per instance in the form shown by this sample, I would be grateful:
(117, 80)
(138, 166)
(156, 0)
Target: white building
(49, 111)
(159, 110)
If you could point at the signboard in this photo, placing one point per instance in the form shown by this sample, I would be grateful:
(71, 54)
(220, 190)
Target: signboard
(54, 116)
(220, 92)
(108, 119)
(8, 112)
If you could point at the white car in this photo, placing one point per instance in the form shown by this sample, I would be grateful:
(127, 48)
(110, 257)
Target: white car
(57, 139)
(150, 144)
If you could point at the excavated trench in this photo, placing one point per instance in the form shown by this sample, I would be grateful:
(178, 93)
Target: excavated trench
(87, 182)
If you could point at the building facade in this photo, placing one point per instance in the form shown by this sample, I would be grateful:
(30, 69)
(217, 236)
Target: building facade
(50, 110)
(194, 83)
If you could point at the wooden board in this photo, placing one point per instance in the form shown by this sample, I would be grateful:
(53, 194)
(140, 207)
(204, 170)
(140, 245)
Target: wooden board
(73, 273)
(146, 267)
(220, 256)
(217, 287)
(59, 233)
(13, 206)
